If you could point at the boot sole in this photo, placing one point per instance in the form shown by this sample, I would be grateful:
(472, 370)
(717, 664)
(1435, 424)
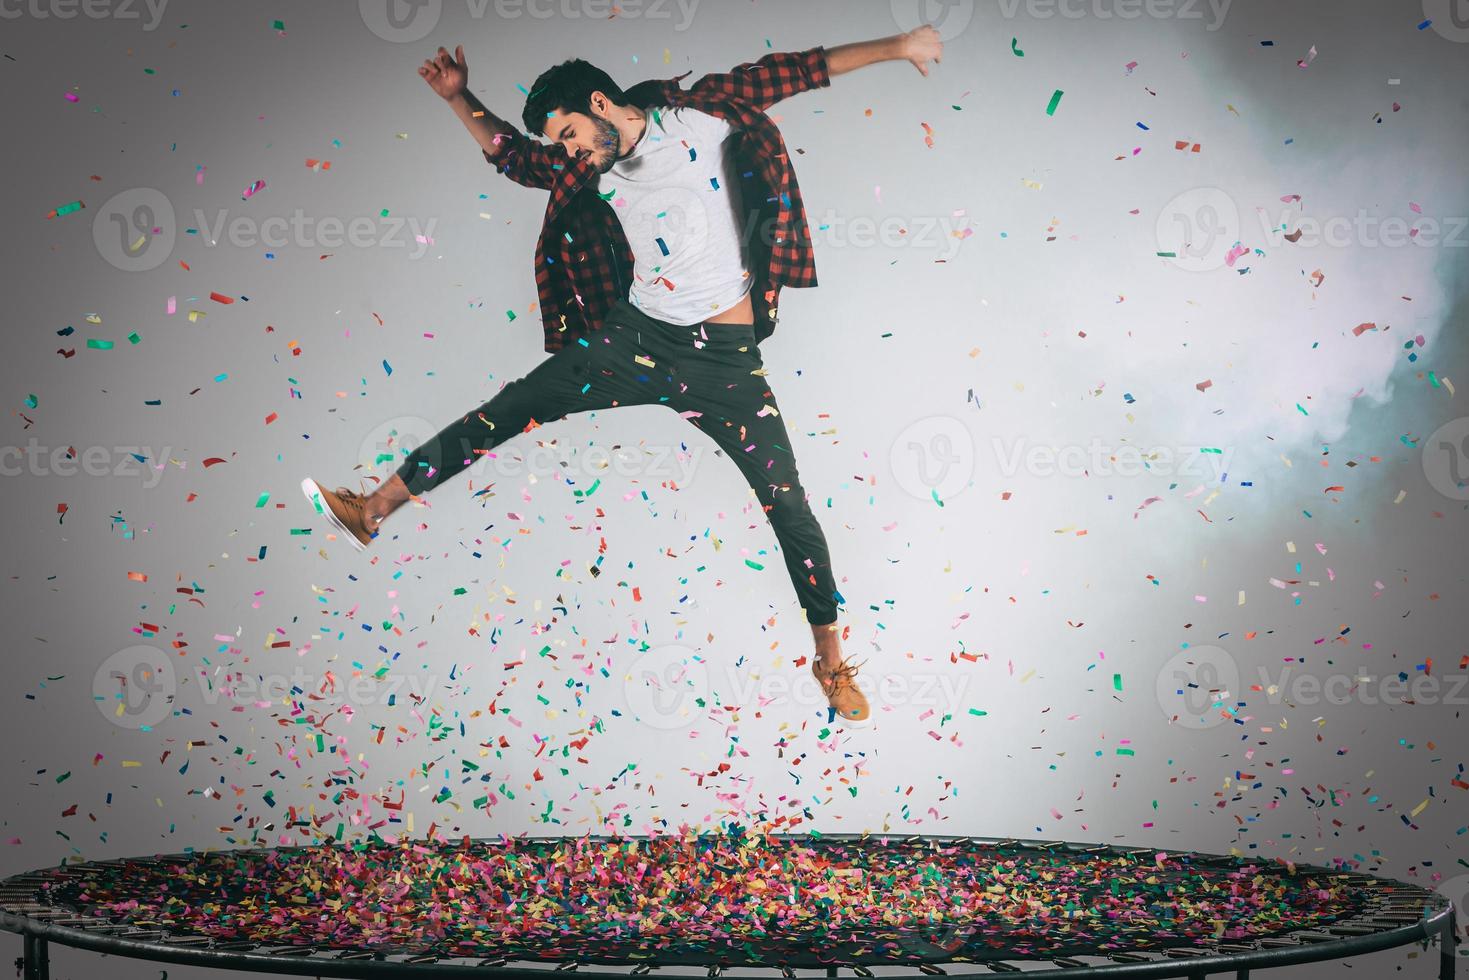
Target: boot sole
(313, 493)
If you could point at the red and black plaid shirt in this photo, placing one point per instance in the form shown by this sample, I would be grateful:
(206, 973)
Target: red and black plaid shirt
(583, 260)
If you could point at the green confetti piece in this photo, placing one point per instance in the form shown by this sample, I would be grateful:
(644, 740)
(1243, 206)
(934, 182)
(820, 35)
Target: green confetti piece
(1055, 101)
(510, 314)
(277, 25)
(590, 490)
(133, 338)
(460, 591)
(300, 530)
(755, 565)
(1126, 752)
(976, 711)
(935, 492)
(1116, 682)
(1166, 255)
(263, 498)
(69, 208)
(100, 344)
(31, 401)
(1015, 48)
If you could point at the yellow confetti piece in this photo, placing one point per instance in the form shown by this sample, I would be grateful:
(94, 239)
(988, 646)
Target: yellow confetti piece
(1419, 808)
(643, 361)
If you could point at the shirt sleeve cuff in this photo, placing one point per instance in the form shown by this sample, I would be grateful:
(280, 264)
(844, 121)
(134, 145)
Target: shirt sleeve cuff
(816, 66)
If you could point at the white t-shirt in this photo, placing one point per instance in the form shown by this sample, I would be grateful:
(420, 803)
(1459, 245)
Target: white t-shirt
(677, 196)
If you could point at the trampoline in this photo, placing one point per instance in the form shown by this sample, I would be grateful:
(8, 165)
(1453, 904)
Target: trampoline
(735, 903)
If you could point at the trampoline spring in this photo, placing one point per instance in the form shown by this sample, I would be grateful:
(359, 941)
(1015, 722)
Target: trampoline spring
(493, 962)
(356, 954)
(1350, 930)
(932, 970)
(1277, 942)
(787, 972)
(1126, 957)
(1068, 963)
(1000, 966)
(291, 951)
(185, 940)
(566, 966)
(423, 958)
(714, 970)
(863, 972)
(642, 969)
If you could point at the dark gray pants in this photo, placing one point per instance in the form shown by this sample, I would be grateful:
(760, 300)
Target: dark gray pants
(738, 411)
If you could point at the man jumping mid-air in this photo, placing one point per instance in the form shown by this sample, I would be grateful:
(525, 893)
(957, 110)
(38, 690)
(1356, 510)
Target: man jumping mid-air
(652, 287)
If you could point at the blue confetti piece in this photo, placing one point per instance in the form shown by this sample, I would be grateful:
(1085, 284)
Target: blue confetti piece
(662, 247)
(387, 367)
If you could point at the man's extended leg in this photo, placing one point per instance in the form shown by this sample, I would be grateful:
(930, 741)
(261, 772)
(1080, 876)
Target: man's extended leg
(580, 377)
(739, 411)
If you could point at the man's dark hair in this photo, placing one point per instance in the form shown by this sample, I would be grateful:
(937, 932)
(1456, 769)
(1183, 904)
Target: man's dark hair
(567, 87)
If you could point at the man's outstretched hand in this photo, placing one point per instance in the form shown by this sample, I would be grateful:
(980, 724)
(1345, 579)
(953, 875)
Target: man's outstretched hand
(921, 45)
(448, 75)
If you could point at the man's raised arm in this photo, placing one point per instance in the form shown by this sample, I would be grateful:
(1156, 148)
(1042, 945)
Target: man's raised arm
(514, 154)
(918, 46)
(780, 75)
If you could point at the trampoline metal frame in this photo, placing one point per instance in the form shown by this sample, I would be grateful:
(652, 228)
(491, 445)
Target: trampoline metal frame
(1403, 925)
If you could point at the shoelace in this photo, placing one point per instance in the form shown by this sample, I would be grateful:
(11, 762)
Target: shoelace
(357, 502)
(845, 672)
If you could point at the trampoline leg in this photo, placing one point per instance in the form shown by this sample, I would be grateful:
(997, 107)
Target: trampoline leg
(1448, 950)
(37, 966)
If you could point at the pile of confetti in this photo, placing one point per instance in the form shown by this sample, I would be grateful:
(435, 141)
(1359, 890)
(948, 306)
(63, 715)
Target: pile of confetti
(731, 898)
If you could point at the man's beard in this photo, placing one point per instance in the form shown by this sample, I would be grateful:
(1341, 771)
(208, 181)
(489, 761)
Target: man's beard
(608, 141)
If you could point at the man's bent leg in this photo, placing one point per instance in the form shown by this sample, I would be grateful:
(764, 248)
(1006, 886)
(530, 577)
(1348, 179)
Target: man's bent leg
(740, 413)
(576, 378)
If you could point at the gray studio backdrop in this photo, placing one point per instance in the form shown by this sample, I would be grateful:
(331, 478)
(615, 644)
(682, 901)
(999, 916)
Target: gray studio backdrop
(1137, 429)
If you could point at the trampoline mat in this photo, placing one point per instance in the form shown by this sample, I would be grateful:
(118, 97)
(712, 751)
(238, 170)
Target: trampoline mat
(731, 899)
